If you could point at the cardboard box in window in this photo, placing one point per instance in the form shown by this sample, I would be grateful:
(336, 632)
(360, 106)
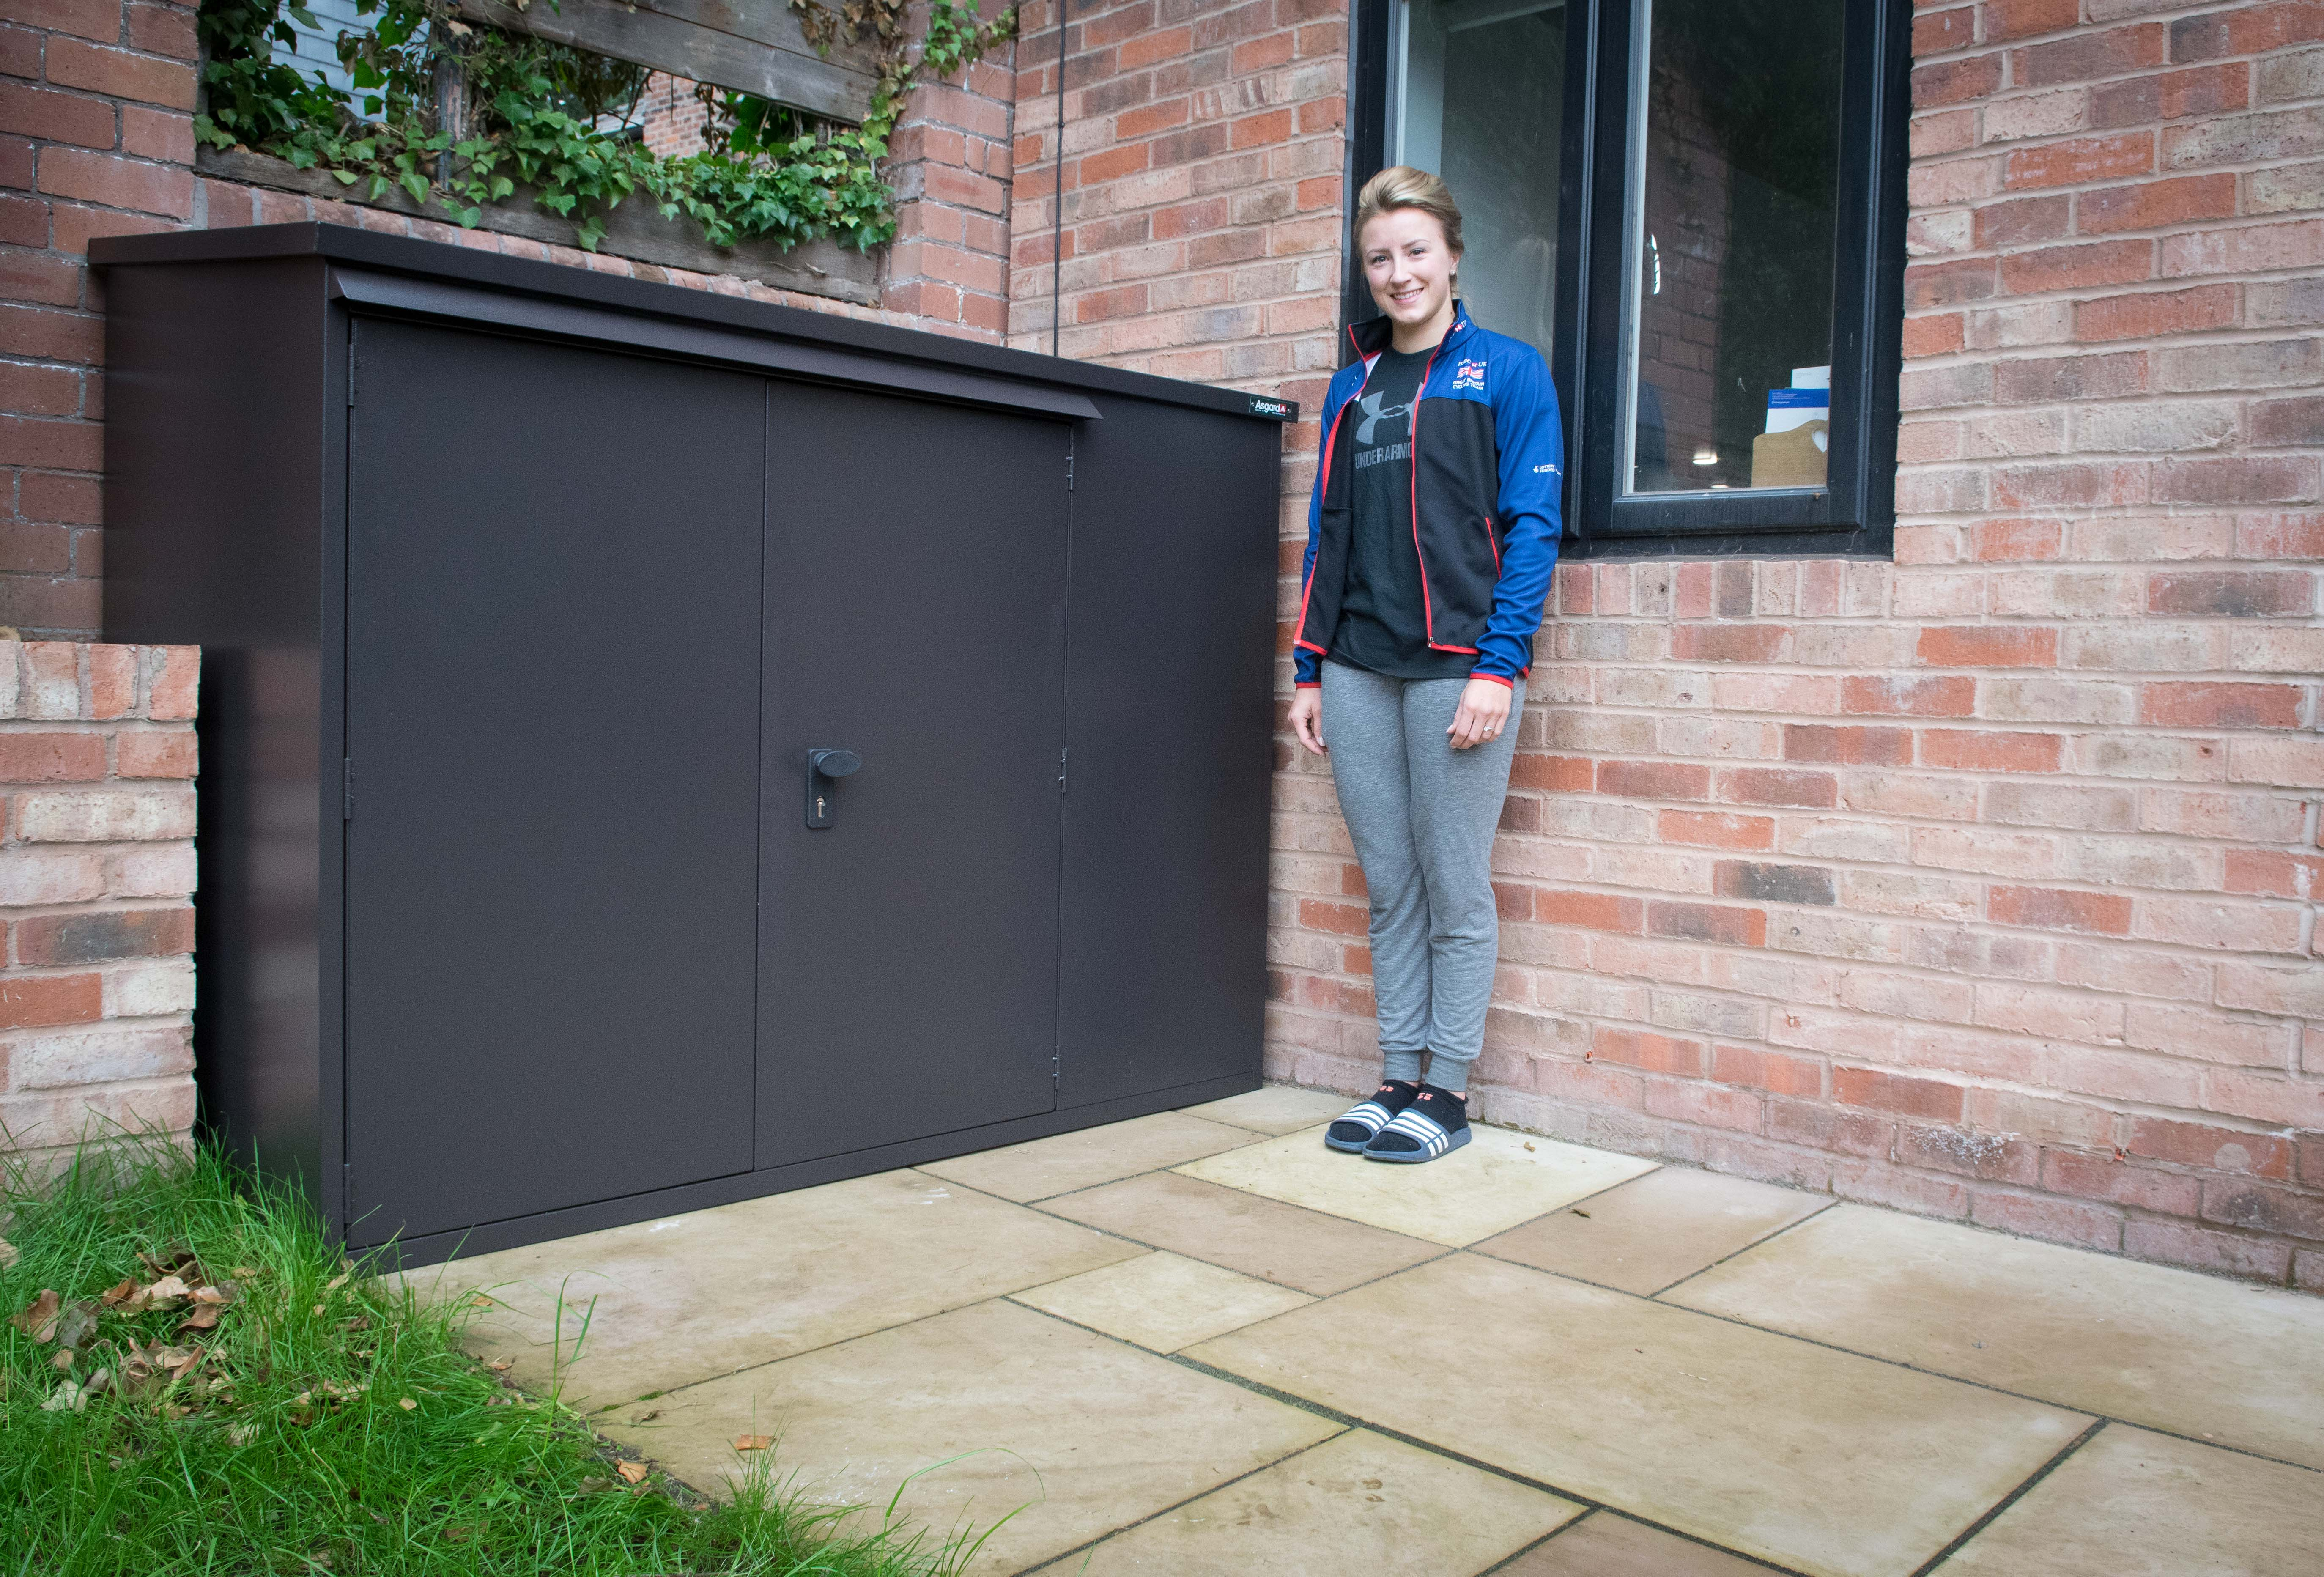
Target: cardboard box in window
(1792, 452)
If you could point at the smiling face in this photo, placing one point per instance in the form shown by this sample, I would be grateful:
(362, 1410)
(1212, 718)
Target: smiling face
(1410, 270)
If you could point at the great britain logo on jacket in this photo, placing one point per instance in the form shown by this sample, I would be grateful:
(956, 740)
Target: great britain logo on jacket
(1468, 374)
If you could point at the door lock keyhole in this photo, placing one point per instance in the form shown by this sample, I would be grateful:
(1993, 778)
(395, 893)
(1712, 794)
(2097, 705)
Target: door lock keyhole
(824, 769)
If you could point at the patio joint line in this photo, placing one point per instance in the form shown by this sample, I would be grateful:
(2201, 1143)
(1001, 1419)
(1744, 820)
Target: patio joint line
(1349, 1423)
(1479, 1247)
(1830, 1200)
(1914, 1368)
(1040, 1207)
(2010, 1499)
(1746, 1248)
(1257, 1138)
(1292, 1399)
(1553, 1535)
(827, 1346)
(1176, 1505)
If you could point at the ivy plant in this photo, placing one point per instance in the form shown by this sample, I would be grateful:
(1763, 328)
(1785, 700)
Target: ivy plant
(560, 123)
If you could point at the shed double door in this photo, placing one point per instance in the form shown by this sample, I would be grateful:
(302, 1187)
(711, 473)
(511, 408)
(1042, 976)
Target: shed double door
(592, 948)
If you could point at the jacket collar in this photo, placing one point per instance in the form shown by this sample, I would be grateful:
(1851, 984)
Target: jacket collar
(1371, 337)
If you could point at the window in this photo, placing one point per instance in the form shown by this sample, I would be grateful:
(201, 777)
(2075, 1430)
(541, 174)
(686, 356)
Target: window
(1695, 209)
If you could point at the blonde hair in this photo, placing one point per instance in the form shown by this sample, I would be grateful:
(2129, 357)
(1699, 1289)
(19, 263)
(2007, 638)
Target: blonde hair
(1400, 186)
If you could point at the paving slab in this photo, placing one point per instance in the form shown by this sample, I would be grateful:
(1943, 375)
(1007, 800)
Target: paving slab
(679, 1300)
(1499, 1178)
(1277, 1109)
(1606, 1544)
(1088, 1434)
(2131, 1503)
(1163, 1301)
(1654, 1230)
(1831, 1463)
(1360, 1504)
(1041, 1167)
(2193, 1354)
(1277, 1242)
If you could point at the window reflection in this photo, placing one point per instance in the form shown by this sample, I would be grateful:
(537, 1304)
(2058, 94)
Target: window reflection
(1728, 333)
(1478, 91)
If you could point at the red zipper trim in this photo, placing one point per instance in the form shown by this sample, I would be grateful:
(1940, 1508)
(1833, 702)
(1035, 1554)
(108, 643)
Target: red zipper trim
(1323, 484)
(1419, 397)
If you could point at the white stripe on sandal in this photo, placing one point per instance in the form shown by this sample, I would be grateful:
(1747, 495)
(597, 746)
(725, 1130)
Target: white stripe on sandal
(1433, 1138)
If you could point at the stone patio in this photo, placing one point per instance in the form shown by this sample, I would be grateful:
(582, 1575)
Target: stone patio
(1199, 1342)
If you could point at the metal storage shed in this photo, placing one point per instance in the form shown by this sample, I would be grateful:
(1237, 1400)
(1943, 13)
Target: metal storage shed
(527, 593)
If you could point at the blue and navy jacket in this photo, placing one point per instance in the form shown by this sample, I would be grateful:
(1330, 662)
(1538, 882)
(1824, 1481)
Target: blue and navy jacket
(1488, 470)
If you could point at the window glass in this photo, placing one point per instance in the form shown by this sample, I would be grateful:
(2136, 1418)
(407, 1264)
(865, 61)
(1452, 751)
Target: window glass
(1727, 332)
(1478, 90)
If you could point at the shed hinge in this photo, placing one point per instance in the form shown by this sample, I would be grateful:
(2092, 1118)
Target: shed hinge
(1069, 470)
(346, 788)
(351, 366)
(1061, 770)
(1054, 1078)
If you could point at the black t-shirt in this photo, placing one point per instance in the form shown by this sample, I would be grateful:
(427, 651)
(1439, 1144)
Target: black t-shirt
(1383, 624)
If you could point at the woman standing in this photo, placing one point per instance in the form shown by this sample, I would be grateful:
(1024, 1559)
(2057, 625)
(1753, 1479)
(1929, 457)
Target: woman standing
(1430, 542)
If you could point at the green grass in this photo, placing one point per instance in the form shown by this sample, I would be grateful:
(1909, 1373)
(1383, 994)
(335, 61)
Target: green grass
(333, 1424)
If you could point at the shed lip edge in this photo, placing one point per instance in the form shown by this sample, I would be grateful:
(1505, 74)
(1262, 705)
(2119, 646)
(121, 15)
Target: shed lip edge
(495, 271)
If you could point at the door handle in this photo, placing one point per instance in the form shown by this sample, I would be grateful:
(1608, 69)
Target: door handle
(825, 767)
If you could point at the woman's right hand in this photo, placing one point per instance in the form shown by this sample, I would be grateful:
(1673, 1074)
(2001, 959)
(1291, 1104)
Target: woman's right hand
(1307, 719)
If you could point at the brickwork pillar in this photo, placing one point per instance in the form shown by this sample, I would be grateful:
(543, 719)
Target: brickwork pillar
(95, 139)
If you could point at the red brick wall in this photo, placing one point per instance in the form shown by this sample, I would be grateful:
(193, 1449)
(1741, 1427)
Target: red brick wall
(1984, 883)
(97, 870)
(96, 139)
(1201, 185)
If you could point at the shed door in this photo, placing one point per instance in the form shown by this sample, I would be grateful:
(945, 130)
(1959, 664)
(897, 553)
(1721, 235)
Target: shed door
(916, 584)
(553, 663)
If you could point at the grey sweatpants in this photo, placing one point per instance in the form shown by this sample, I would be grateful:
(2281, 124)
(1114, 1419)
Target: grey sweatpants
(1423, 815)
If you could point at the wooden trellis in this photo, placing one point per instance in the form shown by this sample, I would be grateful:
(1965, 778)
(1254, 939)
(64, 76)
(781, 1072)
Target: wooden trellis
(751, 46)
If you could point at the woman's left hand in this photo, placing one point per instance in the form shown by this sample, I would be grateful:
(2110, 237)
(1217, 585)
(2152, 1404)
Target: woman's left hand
(1484, 712)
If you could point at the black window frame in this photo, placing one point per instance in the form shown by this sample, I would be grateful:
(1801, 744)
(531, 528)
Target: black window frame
(1853, 515)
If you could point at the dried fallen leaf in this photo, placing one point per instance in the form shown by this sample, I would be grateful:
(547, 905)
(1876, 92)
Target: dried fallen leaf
(188, 1364)
(77, 1323)
(97, 1384)
(37, 1319)
(479, 1301)
(7, 1253)
(632, 1472)
(205, 1317)
(174, 1258)
(66, 1399)
(119, 1291)
(223, 1294)
(753, 1442)
(164, 1293)
(337, 1281)
(360, 1323)
(318, 1310)
(500, 1365)
(63, 1359)
(408, 1404)
(594, 1483)
(239, 1433)
(1529, 1143)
